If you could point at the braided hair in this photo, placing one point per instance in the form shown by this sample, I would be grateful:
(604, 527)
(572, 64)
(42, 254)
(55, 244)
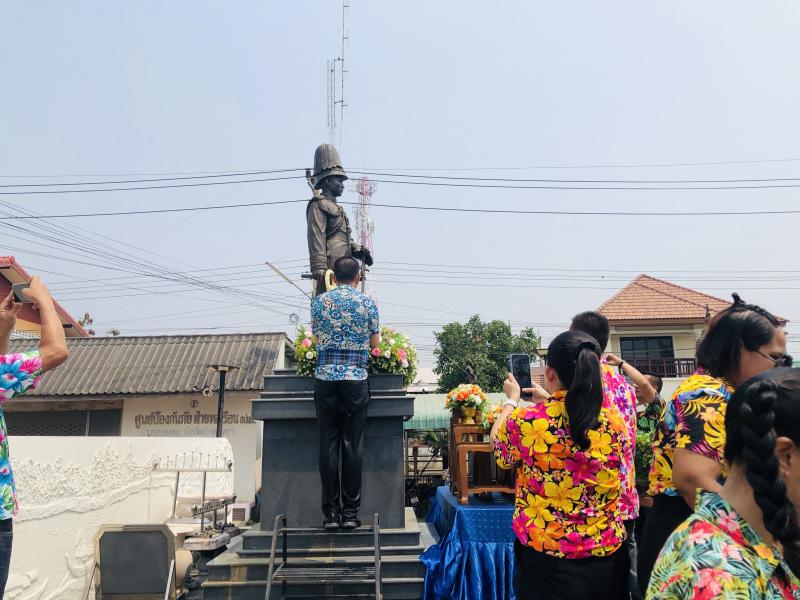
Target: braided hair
(740, 325)
(764, 408)
(575, 356)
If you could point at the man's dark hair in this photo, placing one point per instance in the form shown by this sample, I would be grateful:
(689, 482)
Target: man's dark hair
(739, 326)
(593, 323)
(345, 269)
(655, 381)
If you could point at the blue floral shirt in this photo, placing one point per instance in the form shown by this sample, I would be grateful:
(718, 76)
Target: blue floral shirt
(18, 374)
(343, 320)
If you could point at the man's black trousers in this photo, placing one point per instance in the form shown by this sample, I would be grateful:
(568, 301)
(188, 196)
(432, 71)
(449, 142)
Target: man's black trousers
(342, 415)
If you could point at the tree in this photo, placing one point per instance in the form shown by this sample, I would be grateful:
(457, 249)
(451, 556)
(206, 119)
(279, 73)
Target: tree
(483, 346)
(86, 322)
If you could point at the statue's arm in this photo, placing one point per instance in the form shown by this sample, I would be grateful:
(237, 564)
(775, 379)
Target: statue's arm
(317, 247)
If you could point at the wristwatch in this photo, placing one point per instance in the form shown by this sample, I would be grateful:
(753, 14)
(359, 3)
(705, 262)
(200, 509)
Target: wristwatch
(619, 366)
(510, 402)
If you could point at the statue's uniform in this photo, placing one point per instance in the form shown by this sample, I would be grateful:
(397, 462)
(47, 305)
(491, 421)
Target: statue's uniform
(328, 237)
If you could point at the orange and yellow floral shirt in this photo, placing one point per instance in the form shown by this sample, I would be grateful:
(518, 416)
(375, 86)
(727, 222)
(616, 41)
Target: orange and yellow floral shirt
(694, 420)
(568, 499)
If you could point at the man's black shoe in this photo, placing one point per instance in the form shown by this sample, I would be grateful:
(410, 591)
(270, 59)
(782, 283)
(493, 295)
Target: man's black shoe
(351, 523)
(331, 522)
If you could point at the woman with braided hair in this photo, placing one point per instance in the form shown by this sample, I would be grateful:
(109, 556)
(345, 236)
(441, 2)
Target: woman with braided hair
(744, 540)
(742, 341)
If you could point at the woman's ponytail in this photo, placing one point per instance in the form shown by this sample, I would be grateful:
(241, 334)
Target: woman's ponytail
(575, 356)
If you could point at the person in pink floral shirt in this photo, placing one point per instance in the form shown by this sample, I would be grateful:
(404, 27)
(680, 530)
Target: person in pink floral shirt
(568, 452)
(623, 394)
(19, 373)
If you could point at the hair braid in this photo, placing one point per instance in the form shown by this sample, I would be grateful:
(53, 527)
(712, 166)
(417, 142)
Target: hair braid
(762, 468)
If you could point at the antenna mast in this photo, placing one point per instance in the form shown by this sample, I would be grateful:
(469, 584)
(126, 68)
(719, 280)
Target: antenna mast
(365, 226)
(337, 75)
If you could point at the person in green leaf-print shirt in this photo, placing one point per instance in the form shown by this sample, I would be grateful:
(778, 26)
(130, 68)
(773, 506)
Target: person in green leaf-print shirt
(19, 373)
(743, 542)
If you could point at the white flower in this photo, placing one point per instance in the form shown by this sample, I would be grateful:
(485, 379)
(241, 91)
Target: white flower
(310, 355)
(392, 341)
(387, 354)
(404, 364)
(308, 333)
(405, 345)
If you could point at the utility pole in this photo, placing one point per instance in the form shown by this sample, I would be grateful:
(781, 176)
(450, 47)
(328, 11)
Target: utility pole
(222, 369)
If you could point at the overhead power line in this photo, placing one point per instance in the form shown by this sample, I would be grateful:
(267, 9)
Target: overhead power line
(500, 211)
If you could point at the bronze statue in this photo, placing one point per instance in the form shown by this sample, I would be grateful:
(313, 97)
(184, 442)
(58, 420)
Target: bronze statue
(328, 225)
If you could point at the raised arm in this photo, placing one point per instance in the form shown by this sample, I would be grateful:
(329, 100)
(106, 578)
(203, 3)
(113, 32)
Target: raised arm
(8, 320)
(53, 343)
(646, 393)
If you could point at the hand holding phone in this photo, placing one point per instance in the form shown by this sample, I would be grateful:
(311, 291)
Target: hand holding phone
(17, 290)
(520, 367)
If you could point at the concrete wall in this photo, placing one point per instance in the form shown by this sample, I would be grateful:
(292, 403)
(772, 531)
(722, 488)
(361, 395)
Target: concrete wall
(68, 486)
(194, 415)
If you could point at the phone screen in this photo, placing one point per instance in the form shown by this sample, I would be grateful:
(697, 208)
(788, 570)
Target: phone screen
(520, 365)
(17, 289)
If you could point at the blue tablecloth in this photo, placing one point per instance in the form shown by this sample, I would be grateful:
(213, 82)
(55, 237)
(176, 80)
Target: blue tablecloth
(474, 559)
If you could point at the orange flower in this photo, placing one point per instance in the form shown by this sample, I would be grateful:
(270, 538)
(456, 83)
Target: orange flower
(546, 539)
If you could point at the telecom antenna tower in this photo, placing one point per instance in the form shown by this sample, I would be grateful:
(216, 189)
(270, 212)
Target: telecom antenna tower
(365, 226)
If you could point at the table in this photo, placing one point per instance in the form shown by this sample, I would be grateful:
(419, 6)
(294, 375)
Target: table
(474, 559)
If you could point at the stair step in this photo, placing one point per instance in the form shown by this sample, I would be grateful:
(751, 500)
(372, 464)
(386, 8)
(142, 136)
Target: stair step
(316, 538)
(400, 588)
(337, 551)
(230, 567)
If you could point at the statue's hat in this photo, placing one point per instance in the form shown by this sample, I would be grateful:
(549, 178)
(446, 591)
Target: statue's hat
(327, 163)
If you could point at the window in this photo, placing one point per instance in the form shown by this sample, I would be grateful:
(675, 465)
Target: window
(633, 348)
(66, 422)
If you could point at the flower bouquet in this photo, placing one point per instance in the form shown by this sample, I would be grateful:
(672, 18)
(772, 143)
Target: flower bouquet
(467, 398)
(305, 351)
(394, 354)
(490, 416)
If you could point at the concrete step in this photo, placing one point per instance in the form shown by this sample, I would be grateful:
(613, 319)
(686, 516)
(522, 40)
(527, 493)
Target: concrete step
(405, 588)
(319, 538)
(232, 567)
(337, 551)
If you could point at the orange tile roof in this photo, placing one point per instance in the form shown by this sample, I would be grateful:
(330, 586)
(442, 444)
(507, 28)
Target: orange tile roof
(649, 299)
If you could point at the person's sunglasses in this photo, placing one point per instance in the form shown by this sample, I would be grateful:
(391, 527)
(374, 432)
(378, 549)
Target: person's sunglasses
(783, 361)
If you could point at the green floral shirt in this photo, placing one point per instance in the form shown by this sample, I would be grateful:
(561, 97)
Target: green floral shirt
(716, 555)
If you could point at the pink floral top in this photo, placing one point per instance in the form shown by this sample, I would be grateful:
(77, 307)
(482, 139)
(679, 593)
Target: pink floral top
(18, 374)
(624, 396)
(567, 499)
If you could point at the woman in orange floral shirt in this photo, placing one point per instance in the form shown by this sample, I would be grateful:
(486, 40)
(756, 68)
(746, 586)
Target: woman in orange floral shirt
(568, 450)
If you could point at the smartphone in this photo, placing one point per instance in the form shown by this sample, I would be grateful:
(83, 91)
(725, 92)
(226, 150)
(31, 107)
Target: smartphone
(18, 296)
(520, 367)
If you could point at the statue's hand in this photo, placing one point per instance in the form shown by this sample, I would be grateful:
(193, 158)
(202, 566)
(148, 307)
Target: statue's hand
(362, 253)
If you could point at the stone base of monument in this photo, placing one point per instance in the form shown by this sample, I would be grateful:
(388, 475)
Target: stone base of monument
(291, 486)
(241, 573)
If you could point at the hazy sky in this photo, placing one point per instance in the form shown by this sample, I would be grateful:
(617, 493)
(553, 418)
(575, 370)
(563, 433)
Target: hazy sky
(127, 89)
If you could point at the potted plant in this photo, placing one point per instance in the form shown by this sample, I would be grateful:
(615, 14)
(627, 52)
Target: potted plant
(394, 355)
(467, 398)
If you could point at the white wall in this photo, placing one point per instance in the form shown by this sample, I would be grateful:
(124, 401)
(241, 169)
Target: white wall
(166, 416)
(68, 486)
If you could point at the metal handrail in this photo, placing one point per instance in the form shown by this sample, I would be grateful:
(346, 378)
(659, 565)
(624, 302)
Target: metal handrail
(169, 579)
(376, 528)
(280, 519)
(91, 578)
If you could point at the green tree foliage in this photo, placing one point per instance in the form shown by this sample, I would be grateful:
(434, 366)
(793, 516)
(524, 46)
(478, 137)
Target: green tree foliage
(483, 346)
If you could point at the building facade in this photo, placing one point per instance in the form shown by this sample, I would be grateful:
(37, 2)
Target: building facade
(155, 386)
(656, 326)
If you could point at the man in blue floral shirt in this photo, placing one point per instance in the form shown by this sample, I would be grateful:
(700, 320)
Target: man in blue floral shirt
(345, 322)
(19, 373)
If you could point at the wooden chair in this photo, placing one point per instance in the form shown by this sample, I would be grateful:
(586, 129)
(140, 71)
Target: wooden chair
(473, 439)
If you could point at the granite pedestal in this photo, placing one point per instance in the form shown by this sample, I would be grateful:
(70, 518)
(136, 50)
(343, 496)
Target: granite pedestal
(290, 475)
